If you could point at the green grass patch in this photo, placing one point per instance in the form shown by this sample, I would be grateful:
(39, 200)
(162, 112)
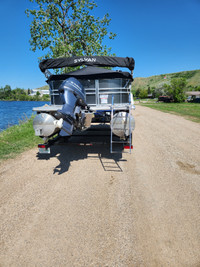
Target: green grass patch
(190, 111)
(17, 139)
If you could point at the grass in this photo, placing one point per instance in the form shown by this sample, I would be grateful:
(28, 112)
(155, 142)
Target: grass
(189, 111)
(17, 139)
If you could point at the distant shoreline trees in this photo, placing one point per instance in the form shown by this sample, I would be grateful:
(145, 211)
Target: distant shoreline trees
(18, 94)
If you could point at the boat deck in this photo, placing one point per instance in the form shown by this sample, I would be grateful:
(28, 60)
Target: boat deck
(50, 108)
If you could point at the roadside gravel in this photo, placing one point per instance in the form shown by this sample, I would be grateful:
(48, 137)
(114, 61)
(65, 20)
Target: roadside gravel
(83, 206)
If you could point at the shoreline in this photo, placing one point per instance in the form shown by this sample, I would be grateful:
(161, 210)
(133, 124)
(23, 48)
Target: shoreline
(18, 100)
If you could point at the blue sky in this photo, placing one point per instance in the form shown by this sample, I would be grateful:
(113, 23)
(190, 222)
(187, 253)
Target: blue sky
(162, 37)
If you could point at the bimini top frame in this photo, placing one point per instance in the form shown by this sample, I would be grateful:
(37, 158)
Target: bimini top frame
(98, 61)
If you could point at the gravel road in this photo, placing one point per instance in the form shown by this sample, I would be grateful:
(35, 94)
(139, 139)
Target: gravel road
(83, 206)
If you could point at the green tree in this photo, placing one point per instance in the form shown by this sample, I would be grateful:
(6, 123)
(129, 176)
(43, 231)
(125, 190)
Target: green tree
(176, 90)
(197, 88)
(1, 93)
(156, 92)
(7, 91)
(65, 28)
(37, 96)
(167, 89)
(137, 92)
(45, 98)
(143, 93)
(153, 91)
(7, 88)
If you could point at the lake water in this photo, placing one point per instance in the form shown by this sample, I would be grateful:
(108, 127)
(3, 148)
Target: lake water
(11, 112)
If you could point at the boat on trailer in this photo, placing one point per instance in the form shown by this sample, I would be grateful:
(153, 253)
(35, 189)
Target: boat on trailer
(91, 94)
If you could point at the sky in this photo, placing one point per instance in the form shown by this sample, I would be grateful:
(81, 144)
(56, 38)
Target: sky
(162, 36)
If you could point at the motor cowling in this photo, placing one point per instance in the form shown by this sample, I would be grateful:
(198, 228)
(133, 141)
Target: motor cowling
(74, 100)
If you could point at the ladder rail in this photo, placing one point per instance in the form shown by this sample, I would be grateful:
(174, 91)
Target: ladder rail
(111, 126)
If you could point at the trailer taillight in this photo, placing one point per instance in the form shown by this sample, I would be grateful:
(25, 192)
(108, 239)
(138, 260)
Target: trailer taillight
(128, 147)
(42, 146)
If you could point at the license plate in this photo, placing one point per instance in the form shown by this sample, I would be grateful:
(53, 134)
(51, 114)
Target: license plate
(43, 150)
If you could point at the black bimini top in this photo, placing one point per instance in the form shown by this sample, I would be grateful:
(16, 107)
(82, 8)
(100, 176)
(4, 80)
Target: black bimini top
(92, 73)
(100, 61)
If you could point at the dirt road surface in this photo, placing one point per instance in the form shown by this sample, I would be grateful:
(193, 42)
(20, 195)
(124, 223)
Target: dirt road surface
(83, 206)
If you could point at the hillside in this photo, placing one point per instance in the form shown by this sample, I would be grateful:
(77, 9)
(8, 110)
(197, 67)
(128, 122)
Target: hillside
(45, 87)
(192, 78)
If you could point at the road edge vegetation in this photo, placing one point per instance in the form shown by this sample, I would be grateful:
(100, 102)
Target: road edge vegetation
(16, 139)
(190, 111)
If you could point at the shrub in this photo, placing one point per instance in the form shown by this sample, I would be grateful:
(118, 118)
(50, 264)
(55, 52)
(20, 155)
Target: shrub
(143, 93)
(176, 90)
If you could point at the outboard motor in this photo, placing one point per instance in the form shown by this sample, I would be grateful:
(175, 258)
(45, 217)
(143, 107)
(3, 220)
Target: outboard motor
(73, 97)
(72, 115)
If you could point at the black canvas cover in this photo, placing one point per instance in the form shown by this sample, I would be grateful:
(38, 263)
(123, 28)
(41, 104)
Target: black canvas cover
(92, 73)
(104, 61)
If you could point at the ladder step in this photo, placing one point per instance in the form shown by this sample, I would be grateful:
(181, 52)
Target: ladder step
(119, 142)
